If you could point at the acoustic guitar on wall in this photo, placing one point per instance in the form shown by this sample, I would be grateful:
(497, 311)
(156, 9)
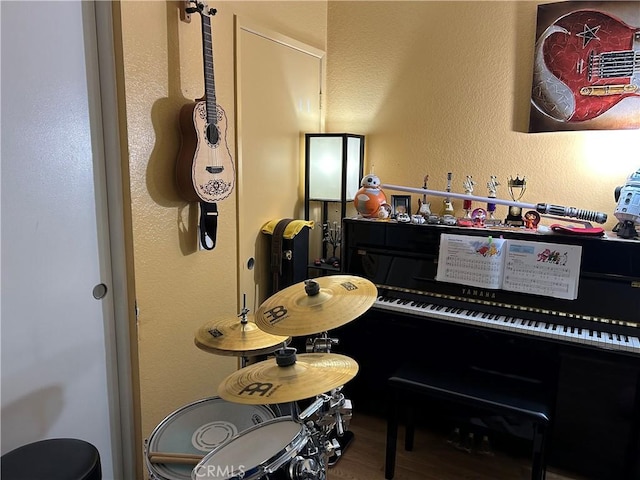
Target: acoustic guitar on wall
(205, 170)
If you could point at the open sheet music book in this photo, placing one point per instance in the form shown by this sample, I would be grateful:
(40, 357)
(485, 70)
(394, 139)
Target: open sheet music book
(539, 268)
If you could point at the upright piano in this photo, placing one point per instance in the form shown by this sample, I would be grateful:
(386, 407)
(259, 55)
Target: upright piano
(585, 351)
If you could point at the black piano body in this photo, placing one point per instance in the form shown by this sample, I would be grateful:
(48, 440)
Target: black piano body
(585, 352)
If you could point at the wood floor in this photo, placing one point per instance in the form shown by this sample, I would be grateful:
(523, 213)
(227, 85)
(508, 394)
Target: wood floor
(432, 458)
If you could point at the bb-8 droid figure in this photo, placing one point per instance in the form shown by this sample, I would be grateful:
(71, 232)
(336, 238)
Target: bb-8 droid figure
(370, 201)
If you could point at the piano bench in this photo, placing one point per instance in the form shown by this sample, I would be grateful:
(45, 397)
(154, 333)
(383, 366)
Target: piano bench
(474, 388)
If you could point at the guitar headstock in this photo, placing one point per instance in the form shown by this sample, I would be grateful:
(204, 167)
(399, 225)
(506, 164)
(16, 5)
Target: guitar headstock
(201, 8)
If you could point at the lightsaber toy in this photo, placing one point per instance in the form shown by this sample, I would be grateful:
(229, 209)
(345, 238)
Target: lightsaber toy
(544, 208)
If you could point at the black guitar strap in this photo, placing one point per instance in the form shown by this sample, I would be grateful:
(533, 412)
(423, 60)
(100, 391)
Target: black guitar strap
(276, 251)
(208, 225)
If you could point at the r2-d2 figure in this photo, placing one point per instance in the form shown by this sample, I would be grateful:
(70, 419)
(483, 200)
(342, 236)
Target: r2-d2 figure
(628, 209)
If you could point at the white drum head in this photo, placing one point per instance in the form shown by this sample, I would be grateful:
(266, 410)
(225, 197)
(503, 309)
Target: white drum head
(259, 450)
(198, 428)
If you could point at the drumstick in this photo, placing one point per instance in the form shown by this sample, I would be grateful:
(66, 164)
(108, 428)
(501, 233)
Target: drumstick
(166, 457)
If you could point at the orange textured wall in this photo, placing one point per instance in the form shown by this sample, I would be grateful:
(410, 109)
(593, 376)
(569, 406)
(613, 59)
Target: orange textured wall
(443, 87)
(179, 288)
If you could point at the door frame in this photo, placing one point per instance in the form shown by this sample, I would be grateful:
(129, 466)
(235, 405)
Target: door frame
(250, 26)
(118, 308)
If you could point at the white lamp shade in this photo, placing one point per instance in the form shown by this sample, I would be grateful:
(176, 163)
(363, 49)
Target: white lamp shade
(354, 145)
(325, 167)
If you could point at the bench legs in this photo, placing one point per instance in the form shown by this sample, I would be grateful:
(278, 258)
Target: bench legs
(409, 428)
(392, 436)
(392, 433)
(538, 469)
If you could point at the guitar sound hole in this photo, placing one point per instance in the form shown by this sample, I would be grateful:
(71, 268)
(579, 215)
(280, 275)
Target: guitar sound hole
(217, 169)
(213, 136)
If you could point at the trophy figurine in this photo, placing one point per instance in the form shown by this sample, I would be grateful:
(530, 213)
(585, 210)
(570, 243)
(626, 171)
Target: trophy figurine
(468, 190)
(517, 187)
(447, 204)
(492, 185)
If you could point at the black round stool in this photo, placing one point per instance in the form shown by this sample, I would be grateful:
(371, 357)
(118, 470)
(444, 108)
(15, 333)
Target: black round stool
(54, 459)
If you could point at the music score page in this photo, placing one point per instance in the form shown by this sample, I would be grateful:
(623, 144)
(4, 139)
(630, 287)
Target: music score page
(539, 268)
(469, 260)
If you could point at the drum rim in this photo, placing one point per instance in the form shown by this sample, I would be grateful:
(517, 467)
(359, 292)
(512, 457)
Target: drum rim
(270, 464)
(147, 443)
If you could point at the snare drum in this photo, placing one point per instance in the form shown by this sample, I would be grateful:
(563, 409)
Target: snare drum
(197, 429)
(276, 449)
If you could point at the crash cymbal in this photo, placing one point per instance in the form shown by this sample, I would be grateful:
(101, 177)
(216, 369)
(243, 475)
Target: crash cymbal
(316, 305)
(269, 382)
(233, 337)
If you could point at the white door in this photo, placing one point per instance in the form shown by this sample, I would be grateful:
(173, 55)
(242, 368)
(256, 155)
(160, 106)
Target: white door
(57, 339)
(279, 89)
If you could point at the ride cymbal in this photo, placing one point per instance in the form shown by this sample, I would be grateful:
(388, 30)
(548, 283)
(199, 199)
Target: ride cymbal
(268, 382)
(233, 337)
(316, 305)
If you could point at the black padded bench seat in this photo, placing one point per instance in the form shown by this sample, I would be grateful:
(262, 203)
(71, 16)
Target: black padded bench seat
(53, 459)
(471, 387)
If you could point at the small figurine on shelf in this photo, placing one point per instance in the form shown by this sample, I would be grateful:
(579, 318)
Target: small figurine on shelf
(447, 204)
(468, 189)
(531, 220)
(424, 207)
(478, 217)
(370, 201)
(492, 185)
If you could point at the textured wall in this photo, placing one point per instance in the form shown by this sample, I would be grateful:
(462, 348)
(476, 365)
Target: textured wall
(445, 86)
(177, 287)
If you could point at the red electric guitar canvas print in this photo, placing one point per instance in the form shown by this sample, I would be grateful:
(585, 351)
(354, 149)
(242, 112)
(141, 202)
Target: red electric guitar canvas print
(586, 72)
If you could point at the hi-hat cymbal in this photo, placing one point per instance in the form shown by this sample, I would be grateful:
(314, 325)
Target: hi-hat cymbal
(232, 337)
(267, 382)
(300, 309)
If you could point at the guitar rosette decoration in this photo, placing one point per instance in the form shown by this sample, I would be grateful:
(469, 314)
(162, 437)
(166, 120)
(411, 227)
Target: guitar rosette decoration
(216, 188)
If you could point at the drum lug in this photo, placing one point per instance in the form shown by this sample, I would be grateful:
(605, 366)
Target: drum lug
(302, 468)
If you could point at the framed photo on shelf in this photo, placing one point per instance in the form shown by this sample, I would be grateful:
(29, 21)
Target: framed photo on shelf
(401, 204)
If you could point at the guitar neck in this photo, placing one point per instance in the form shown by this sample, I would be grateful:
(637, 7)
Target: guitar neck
(209, 82)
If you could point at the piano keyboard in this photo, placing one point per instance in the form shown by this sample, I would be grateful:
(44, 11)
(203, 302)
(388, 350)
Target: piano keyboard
(585, 336)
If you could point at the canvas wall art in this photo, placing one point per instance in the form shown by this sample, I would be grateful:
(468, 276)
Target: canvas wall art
(586, 73)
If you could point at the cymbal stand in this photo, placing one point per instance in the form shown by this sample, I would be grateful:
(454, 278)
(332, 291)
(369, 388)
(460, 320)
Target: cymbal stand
(332, 411)
(329, 446)
(310, 464)
(243, 320)
(335, 412)
(243, 313)
(321, 344)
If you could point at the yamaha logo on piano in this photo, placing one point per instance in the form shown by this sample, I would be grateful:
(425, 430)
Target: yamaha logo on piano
(474, 292)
